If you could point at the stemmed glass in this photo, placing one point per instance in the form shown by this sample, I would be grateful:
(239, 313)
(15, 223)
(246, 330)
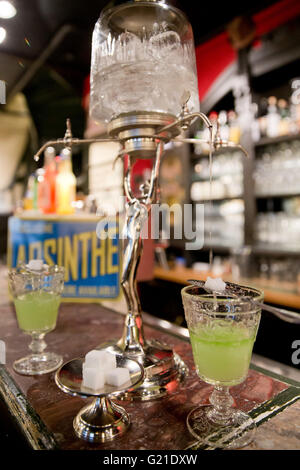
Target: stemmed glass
(222, 333)
(36, 295)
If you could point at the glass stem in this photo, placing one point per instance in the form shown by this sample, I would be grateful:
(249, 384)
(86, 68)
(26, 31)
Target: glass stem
(37, 344)
(222, 402)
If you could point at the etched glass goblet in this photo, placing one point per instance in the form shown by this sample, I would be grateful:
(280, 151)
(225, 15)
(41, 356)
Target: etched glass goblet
(222, 333)
(36, 295)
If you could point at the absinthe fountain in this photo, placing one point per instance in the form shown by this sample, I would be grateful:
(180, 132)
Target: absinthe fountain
(144, 85)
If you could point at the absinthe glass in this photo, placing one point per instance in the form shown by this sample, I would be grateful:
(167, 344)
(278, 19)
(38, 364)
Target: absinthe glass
(222, 333)
(37, 296)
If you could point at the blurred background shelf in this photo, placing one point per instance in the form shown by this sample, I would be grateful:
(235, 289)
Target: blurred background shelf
(276, 140)
(276, 250)
(274, 195)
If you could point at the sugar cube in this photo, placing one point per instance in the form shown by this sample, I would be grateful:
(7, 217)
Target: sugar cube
(35, 264)
(118, 376)
(216, 284)
(101, 359)
(93, 378)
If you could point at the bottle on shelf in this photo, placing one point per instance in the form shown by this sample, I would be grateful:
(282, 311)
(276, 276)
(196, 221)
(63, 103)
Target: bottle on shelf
(40, 177)
(234, 128)
(47, 187)
(65, 185)
(213, 117)
(295, 106)
(31, 194)
(284, 123)
(273, 117)
(224, 128)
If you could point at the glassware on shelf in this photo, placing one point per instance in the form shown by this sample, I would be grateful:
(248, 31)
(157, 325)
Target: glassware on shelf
(277, 170)
(36, 289)
(224, 164)
(227, 173)
(241, 262)
(282, 272)
(224, 224)
(272, 229)
(222, 188)
(222, 332)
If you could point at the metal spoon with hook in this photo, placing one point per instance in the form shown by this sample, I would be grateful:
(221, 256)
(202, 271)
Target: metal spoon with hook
(285, 315)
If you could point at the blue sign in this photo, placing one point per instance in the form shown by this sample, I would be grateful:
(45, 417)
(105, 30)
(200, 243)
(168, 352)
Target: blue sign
(91, 260)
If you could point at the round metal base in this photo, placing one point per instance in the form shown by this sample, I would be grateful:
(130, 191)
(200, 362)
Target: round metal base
(94, 425)
(38, 364)
(237, 432)
(164, 370)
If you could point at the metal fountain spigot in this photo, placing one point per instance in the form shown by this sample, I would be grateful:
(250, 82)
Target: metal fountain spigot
(219, 143)
(67, 141)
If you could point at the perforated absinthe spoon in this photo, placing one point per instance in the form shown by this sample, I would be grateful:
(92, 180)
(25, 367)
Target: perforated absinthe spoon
(232, 291)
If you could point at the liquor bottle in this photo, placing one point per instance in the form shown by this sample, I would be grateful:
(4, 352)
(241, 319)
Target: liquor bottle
(65, 185)
(47, 187)
(40, 174)
(284, 123)
(295, 106)
(262, 116)
(273, 118)
(30, 198)
(213, 117)
(224, 129)
(234, 128)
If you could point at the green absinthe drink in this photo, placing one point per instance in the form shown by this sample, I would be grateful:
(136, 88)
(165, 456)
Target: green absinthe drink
(222, 351)
(37, 311)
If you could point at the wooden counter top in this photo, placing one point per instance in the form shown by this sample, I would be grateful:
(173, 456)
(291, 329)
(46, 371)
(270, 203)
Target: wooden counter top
(180, 275)
(45, 413)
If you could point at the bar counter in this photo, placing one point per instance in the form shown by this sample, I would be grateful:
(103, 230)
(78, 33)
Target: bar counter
(45, 414)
